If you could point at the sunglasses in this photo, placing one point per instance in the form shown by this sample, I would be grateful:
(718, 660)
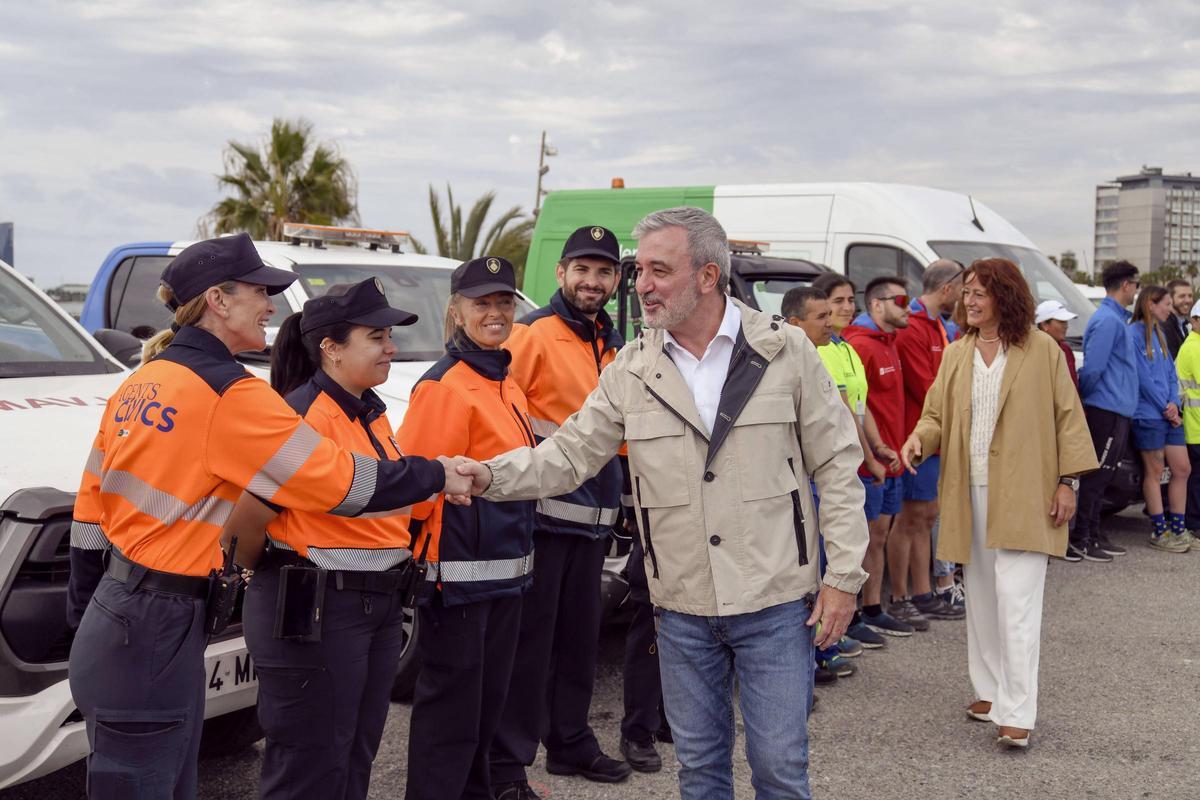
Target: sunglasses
(902, 300)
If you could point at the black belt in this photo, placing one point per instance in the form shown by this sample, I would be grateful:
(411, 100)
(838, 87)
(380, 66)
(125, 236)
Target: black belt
(121, 569)
(387, 581)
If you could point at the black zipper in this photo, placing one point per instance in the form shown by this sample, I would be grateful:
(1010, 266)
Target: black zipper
(648, 545)
(383, 456)
(668, 407)
(798, 520)
(596, 354)
(114, 616)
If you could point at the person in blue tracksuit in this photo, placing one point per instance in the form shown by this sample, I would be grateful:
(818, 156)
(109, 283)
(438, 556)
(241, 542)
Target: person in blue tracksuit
(1108, 385)
(1157, 421)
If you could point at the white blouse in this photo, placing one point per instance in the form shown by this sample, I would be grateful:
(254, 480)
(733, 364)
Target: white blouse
(985, 406)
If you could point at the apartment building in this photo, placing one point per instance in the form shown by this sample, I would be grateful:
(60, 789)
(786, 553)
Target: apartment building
(1149, 219)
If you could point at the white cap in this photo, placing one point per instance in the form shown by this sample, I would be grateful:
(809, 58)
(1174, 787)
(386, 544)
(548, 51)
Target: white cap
(1053, 309)
(1195, 310)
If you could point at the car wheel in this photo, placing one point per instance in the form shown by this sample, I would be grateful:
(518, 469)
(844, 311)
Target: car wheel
(231, 733)
(410, 661)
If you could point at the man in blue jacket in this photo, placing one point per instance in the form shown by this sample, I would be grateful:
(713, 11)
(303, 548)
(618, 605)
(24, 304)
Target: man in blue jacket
(1108, 384)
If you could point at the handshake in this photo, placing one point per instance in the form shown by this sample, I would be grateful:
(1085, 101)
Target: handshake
(464, 477)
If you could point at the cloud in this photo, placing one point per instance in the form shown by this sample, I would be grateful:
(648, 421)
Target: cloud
(115, 114)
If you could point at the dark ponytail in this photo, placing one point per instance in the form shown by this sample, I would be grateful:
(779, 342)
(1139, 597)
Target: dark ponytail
(296, 356)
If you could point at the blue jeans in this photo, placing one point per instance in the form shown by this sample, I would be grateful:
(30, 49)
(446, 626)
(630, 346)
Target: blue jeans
(771, 654)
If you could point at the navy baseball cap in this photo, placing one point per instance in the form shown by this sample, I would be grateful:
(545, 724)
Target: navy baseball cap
(483, 275)
(214, 261)
(593, 240)
(362, 303)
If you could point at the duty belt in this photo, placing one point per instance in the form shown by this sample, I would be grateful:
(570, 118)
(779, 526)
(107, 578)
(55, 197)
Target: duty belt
(379, 582)
(121, 569)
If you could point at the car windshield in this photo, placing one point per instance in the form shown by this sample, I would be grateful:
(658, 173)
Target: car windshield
(35, 341)
(768, 292)
(1046, 281)
(420, 290)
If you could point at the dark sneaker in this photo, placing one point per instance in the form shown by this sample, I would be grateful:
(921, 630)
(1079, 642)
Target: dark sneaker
(1092, 552)
(905, 611)
(865, 636)
(953, 595)
(849, 647)
(888, 625)
(937, 608)
(602, 769)
(663, 734)
(641, 756)
(1107, 546)
(823, 675)
(1074, 553)
(838, 666)
(519, 790)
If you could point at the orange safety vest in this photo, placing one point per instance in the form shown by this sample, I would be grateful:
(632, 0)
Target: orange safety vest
(368, 542)
(187, 432)
(467, 404)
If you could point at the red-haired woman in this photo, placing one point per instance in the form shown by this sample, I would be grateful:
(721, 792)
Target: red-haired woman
(1013, 439)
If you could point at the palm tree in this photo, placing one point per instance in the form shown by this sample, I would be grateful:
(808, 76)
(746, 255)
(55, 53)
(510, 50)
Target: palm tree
(507, 237)
(291, 179)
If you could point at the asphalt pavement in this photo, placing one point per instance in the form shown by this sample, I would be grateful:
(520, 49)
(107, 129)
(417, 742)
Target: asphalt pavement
(1119, 712)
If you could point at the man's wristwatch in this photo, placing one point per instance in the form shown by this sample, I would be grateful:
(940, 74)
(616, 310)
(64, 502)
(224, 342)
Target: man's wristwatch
(1070, 480)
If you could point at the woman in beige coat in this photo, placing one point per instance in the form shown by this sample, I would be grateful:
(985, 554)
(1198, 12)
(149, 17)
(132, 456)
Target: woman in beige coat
(1013, 439)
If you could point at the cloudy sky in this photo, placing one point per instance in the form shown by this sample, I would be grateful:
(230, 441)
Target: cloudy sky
(114, 113)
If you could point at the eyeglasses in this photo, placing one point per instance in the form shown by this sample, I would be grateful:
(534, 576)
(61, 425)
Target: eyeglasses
(901, 300)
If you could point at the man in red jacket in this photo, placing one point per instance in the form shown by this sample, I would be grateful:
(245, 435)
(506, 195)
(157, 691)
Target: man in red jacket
(920, 346)
(872, 335)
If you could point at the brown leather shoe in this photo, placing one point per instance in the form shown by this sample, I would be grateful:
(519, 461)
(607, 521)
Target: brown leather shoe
(979, 710)
(1013, 737)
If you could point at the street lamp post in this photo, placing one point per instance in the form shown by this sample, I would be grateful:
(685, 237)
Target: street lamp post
(544, 152)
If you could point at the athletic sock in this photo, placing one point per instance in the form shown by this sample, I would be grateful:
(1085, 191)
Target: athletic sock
(1177, 523)
(1159, 524)
(872, 611)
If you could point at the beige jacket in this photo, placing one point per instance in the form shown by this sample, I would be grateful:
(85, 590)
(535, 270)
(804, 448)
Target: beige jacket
(726, 519)
(1041, 434)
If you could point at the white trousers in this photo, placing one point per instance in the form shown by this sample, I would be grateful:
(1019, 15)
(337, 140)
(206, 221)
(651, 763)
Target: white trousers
(1004, 591)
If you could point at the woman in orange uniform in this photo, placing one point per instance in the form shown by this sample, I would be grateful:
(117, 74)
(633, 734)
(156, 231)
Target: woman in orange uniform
(323, 703)
(178, 442)
(481, 556)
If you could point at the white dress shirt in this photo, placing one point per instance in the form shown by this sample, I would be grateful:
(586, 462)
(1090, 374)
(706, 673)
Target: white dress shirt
(706, 377)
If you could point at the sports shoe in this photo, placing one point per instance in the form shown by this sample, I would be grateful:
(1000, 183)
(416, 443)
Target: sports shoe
(641, 755)
(823, 675)
(849, 648)
(1192, 542)
(1168, 542)
(602, 769)
(838, 666)
(519, 790)
(886, 624)
(1092, 552)
(937, 608)
(953, 595)
(865, 636)
(1074, 552)
(1107, 546)
(904, 610)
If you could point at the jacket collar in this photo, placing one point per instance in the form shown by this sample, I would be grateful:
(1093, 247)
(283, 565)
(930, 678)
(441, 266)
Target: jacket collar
(199, 339)
(368, 408)
(1114, 306)
(863, 322)
(491, 364)
(602, 329)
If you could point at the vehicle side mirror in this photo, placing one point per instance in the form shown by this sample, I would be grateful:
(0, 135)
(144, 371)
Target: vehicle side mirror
(125, 347)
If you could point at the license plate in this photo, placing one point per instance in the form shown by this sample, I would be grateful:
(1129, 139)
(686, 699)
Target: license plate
(229, 672)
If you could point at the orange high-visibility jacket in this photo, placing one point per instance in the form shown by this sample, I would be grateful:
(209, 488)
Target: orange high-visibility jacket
(360, 425)
(467, 404)
(184, 435)
(558, 354)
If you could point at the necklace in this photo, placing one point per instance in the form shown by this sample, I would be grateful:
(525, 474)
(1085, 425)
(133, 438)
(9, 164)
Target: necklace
(983, 338)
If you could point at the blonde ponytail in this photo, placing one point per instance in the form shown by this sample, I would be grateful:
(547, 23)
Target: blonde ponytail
(454, 332)
(187, 314)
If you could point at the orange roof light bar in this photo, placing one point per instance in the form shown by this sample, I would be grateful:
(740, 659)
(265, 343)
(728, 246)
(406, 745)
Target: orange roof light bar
(748, 246)
(318, 235)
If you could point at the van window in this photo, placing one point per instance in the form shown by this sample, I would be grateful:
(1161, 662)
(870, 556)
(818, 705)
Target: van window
(36, 341)
(132, 301)
(866, 262)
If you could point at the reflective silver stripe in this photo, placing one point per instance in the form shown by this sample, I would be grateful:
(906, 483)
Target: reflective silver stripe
(87, 536)
(627, 500)
(397, 512)
(572, 512)
(164, 507)
(542, 427)
(1189, 384)
(1191, 402)
(498, 570)
(356, 558)
(362, 488)
(280, 468)
(95, 463)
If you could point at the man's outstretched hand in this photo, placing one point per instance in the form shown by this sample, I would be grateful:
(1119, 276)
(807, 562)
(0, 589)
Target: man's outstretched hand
(479, 474)
(833, 611)
(458, 486)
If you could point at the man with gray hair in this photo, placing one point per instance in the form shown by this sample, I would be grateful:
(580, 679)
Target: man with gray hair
(727, 412)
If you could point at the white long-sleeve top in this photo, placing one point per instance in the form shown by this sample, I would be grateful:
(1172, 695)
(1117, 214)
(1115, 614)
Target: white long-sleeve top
(985, 407)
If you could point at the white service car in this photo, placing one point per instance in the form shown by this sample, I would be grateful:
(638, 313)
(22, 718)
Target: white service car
(54, 381)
